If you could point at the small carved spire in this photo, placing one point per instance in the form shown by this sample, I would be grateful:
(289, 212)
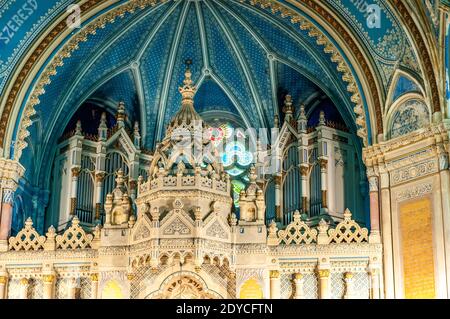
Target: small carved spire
(302, 120)
(120, 180)
(276, 121)
(78, 128)
(288, 109)
(252, 175)
(121, 115)
(322, 118)
(102, 128)
(187, 114)
(137, 135)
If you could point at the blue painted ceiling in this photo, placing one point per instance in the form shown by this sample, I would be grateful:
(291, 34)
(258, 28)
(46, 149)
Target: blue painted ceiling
(140, 60)
(245, 60)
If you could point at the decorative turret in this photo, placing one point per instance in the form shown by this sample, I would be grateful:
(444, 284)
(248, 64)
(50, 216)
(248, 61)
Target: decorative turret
(102, 128)
(187, 161)
(118, 207)
(187, 117)
(288, 109)
(185, 141)
(251, 201)
(121, 115)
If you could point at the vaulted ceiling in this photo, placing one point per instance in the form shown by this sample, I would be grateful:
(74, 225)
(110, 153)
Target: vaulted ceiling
(246, 56)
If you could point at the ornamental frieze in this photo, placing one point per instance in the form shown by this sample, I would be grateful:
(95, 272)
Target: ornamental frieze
(414, 171)
(415, 192)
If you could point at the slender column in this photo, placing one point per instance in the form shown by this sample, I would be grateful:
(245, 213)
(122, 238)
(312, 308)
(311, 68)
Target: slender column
(23, 288)
(94, 286)
(72, 291)
(323, 161)
(445, 189)
(298, 282)
(73, 189)
(374, 275)
(304, 169)
(99, 178)
(7, 209)
(386, 222)
(324, 283)
(278, 214)
(133, 189)
(49, 284)
(374, 210)
(3, 285)
(348, 278)
(274, 284)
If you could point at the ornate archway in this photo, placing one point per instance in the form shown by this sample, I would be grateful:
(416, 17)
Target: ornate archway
(184, 285)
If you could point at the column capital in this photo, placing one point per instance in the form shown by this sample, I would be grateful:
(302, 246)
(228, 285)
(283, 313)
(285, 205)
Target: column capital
(94, 277)
(298, 276)
(3, 280)
(274, 274)
(100, 176)
(76, 171)
(304, 169)
(323, 162)
(8, 196)
(24, 281)
(373, 184)
(10, 173)
(277, 179)
(49, 278)
(323, 273)
(348, 275)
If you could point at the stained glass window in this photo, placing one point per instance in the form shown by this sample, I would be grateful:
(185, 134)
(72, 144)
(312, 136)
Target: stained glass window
(234, 156)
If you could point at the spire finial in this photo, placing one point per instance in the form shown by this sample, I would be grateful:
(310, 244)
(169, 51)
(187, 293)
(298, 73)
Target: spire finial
(121, 115)
(78, 128)
(119, 178)
(288, 109)
(188, 89)
(322, 118)
(102, 128)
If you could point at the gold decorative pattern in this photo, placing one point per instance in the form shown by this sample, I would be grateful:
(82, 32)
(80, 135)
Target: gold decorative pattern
(323, 273)
(417, 249)
(3, 280)
(24, 281)
(48, 278)
(298, 276)
(274, 274)
(94, 277)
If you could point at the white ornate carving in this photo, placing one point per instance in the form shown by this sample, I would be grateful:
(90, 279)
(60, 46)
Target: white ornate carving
(348, 231)
(297, 232)
(177, 227)
(416, 191)
(74, 237)
(216, 230)
(27, 239)
(413, 171)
